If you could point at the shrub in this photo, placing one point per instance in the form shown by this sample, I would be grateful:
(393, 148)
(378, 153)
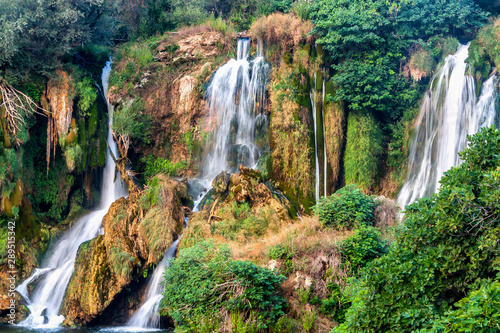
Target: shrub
(130, 123)
(204, 285)
(362, 247)
(162, 166)
(446, 246)
(347, 208)
(87, 94)
(478, 312)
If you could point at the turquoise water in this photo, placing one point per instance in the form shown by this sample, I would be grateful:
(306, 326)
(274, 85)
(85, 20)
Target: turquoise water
(113, 329)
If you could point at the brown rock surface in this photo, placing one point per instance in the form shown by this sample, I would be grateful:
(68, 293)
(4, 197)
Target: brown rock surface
(134, 237)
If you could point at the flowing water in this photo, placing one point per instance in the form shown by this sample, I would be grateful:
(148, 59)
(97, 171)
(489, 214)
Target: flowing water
(312, 95)
(54, 275)
(235, 97)
(325, 160)
(148, 315)
(449, 112)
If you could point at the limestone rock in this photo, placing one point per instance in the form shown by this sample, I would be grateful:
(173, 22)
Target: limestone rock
(221, 182)
(59, 92)
(134, 238)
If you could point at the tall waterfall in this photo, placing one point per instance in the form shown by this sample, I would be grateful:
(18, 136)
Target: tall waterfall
(450, 111)
(55, 273)
(148, 315)
(318, 106)
(236, 96)
(312, 95)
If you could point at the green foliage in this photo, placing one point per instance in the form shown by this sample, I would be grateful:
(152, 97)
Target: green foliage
(348, 208)
(302, 8)
(120, 261)
(10, 169)
(363, 149)
(239, 222)
(73, 156)
(203, 283)
(368, 40)
(87, 94)
(130, 122)
(363, 247)
(36, 34)
(448, 244)
(161, 165)
(478, 312)
(484, 51)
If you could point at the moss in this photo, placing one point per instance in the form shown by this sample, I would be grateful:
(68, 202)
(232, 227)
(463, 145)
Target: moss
(363, 149)
(82, 138)
(93, 120)
(101, 160)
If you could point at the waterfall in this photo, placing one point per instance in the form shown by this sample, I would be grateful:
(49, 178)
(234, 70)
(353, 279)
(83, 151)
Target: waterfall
(325, 160)
(449, 112)
(148, 315)
(235, 97)
(56, 270)
(312, 95)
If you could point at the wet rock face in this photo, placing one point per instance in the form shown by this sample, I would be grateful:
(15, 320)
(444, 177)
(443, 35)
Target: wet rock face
(135, 237)
(240, 155)
(61, 106)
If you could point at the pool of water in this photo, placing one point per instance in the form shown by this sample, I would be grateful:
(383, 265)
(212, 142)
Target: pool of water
(110, 329)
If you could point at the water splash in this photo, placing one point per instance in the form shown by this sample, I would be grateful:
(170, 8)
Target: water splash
(148, 315)
(56, 271)
(449, 112)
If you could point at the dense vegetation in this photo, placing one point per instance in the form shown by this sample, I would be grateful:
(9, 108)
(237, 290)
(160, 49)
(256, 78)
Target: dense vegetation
(204, 287)
(444, 253)
(436, 272)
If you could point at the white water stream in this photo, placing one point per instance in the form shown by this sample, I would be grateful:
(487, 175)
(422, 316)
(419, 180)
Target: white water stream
(312, 95)
(235, 97)
(148, 315)
(54, 275)
(449, 112)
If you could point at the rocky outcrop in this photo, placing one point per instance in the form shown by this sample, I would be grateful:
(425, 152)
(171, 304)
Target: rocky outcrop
(59, 91)
(240, 206)
(172, 92)
(137, 232)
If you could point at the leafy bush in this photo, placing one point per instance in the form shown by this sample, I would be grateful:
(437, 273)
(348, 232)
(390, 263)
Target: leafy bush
(87, 94)
(448, 244)
(478, 312)
(162, 166)
(347, 208)
(203, 285)
(362, 247)
(130, 123)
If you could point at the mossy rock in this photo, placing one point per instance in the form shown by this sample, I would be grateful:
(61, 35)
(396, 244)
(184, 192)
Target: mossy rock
(82, 138)
(93, 120)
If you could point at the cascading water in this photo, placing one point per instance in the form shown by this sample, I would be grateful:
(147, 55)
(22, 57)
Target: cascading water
(148, 315)
(235, 96)
(325, 160)
(312, 95)
(56, 271)
(450, 111)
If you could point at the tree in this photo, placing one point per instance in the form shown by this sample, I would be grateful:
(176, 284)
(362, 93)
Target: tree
(36, 34)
